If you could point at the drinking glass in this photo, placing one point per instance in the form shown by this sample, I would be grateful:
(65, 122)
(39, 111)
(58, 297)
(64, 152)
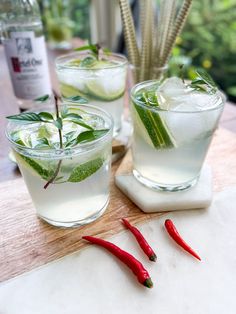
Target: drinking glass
(169, 145)
(79, 193)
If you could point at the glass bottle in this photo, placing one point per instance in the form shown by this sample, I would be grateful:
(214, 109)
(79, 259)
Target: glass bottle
(24, 43)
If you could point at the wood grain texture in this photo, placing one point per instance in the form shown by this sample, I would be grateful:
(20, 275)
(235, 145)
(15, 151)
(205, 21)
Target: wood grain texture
(27, 242)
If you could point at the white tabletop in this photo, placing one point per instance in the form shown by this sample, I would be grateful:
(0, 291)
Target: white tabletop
(95, 282)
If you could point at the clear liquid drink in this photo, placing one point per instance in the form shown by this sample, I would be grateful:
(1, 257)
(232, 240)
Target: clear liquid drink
(101, 82)
(172, 133)
(79, 192)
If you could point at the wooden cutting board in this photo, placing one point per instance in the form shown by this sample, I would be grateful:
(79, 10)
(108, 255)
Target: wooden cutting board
(27, 242)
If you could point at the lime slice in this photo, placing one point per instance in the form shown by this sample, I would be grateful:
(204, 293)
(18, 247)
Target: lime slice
(34, 167)
(85, 170)
(69, 91)
(22, 137)
(104, 90)
(101, 64)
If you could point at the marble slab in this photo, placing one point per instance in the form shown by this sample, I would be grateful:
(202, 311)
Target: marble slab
(94, 282)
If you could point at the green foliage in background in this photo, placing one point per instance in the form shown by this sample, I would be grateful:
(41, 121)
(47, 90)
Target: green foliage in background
(64, 19)
(209, 41)
(80, 14)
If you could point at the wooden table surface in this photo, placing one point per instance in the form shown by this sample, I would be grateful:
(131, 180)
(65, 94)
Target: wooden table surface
(24, 238)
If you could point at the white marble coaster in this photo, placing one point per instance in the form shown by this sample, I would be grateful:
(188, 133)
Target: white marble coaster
(149, 201)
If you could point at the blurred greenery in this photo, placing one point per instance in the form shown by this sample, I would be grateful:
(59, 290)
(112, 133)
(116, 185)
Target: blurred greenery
(64, 19)
(209, 41)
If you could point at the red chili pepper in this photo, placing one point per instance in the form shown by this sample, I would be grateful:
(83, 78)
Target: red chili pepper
(128, 259)
(141, 241)
(171, 229)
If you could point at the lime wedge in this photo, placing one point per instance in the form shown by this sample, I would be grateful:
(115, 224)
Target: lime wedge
(85, 170)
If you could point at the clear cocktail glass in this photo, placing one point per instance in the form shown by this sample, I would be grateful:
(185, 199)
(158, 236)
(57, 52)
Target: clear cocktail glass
(69, 186)
(172, 133)
(99, 82)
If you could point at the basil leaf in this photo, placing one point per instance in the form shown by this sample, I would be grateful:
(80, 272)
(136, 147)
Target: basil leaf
(72, 115)
(42, 142)
(64, 111)
(26, 117)
(69, 135)
(78, 99)
(77, 119)
(87, 47)
(42, 98)
(46, 116)
(89, 136)
(88, 62)
(58, 123)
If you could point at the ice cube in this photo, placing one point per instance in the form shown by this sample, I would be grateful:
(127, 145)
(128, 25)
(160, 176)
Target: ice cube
(170, 90)
(194, 101)
(173, 87)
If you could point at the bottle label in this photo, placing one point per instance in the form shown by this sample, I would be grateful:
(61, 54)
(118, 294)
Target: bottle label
(27, 62)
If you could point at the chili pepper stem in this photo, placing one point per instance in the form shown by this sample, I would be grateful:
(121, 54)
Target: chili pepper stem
(153, 258)
(148, 283)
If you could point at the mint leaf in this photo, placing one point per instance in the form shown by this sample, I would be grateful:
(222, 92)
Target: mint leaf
(85, 170)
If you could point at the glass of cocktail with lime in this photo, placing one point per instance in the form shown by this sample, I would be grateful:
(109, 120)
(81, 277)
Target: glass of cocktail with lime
(65, 159)
(96, 78)
(173, 126)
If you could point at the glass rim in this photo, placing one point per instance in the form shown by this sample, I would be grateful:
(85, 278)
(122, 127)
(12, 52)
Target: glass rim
(77, 53)
(218, 96)
(67, 152)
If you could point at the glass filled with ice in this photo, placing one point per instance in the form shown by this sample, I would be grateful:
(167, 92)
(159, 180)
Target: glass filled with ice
(67, 173)
(173, 127)
(99, 81)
